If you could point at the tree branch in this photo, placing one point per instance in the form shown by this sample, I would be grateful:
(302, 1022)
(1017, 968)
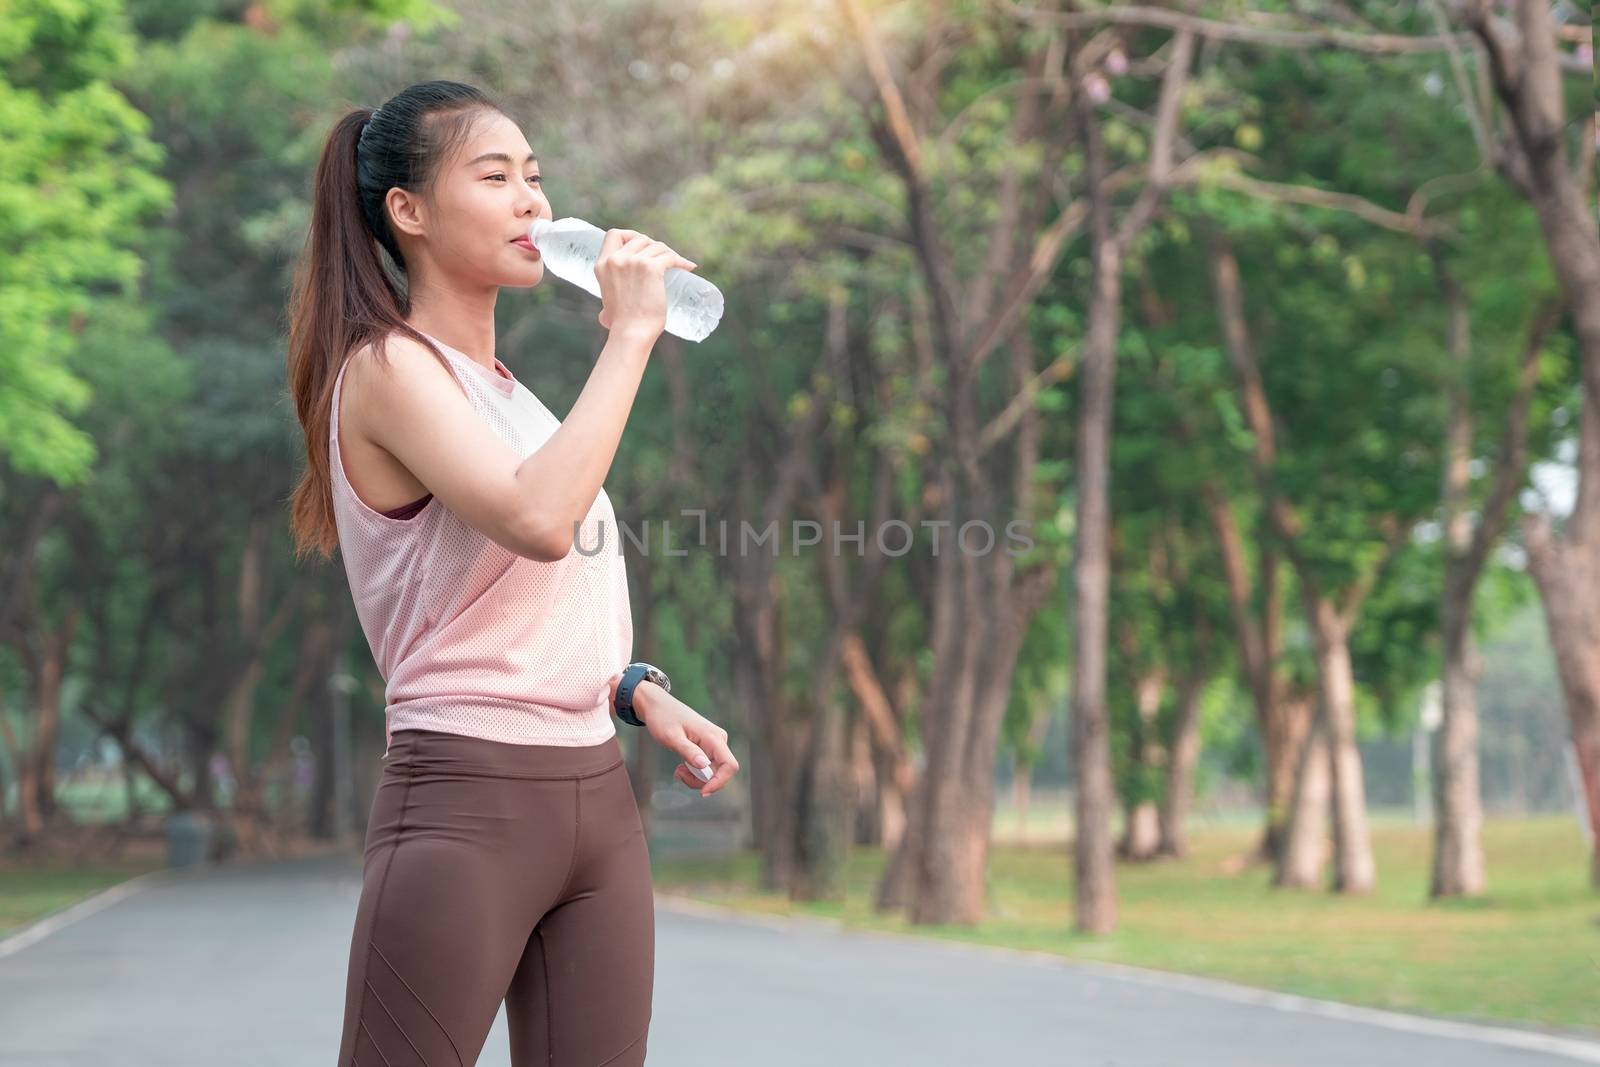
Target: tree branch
(894, 104)
(1395, 533)
(1372, 43)
(1513, 463)
(898, 140)
(1307, 196)
(1173, 81)
(1002, 424)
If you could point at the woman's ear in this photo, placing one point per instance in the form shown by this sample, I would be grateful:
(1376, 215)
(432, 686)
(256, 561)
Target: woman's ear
(406, 212)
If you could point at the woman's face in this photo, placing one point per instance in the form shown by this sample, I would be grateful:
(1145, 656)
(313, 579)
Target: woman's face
(483, 200)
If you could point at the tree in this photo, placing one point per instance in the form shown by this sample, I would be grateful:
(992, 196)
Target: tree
(78, 168)
(1525, 67)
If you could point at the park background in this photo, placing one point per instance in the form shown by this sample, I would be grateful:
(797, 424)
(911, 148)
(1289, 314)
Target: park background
(1276, 324)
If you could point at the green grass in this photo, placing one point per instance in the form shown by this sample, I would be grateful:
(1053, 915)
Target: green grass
(98, 798)
(106, 799)
(1528, 952)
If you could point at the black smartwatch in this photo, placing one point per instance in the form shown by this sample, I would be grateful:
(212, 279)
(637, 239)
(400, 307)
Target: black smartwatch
(632, 675)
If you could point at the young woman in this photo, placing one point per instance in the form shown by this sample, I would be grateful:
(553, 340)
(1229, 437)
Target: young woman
(505, 858)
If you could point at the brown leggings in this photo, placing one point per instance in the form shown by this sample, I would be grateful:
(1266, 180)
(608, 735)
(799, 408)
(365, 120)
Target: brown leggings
(493, 872)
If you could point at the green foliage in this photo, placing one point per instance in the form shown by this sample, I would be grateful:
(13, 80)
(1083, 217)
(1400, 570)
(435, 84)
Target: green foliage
(341, 16)
(57, 46)
(77, 188)
(729, 134)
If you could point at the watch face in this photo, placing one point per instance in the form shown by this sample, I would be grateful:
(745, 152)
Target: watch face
(654, 674)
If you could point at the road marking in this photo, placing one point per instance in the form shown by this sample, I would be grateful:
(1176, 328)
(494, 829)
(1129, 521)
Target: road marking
(49, 924)
(1575, 1048)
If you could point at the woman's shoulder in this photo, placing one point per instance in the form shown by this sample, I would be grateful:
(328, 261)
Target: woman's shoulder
(379, 372)
(394, 346)
(399, 361)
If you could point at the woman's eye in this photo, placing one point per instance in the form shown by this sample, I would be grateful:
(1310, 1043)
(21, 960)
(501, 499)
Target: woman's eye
(536, 178)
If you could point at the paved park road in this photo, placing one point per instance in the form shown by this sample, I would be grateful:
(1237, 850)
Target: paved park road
(244, 965)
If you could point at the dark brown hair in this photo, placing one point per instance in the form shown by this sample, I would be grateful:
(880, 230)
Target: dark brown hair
(344, 296)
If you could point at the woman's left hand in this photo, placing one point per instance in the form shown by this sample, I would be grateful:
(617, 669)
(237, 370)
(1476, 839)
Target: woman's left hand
(680, 729)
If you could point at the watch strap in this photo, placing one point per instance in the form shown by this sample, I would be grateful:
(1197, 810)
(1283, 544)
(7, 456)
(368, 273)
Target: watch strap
(632, 675)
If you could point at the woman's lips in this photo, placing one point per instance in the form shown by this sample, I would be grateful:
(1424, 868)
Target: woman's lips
(523, 242)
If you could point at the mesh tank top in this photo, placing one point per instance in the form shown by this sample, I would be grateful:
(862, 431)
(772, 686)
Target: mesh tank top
(469, 637)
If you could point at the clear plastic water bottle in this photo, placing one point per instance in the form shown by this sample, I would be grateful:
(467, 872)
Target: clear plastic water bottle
(570, 247)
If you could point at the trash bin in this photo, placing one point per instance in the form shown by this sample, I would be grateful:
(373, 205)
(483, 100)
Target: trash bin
(188, 838)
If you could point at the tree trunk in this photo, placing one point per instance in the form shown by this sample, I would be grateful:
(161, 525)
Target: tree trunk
(771, 768)
(1305, 841)
(1567, 574)
(824, 802)
(256, 829)
(1094, 892)
(199, 742)
(952, 877)
(894, 886)
(866, 808)
(893, 800)
(759, 661)
(1354, 869)
(46, 665)
(30, 822)
(5, 805)
(1141, 834)
(824, 809)
(965, 712)
(1141, 831)
(1458, 868)
(1181, 767)
(1282, 744)
(946, 888)
(1280, 723)
(928, 882)
(878, 723)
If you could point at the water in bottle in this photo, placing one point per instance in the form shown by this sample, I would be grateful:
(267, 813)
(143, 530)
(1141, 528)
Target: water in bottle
(570, 247)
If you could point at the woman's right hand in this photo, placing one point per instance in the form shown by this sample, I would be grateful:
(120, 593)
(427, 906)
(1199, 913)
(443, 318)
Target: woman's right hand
(632, 270)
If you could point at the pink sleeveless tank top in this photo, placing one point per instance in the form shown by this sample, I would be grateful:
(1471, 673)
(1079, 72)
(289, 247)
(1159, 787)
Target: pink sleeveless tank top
(469, 637)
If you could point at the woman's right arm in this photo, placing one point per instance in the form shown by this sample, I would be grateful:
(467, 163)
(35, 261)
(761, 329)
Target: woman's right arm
(527, 505)
(421, 417)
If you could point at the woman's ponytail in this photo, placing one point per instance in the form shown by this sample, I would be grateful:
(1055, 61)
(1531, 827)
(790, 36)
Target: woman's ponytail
(344, 296)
